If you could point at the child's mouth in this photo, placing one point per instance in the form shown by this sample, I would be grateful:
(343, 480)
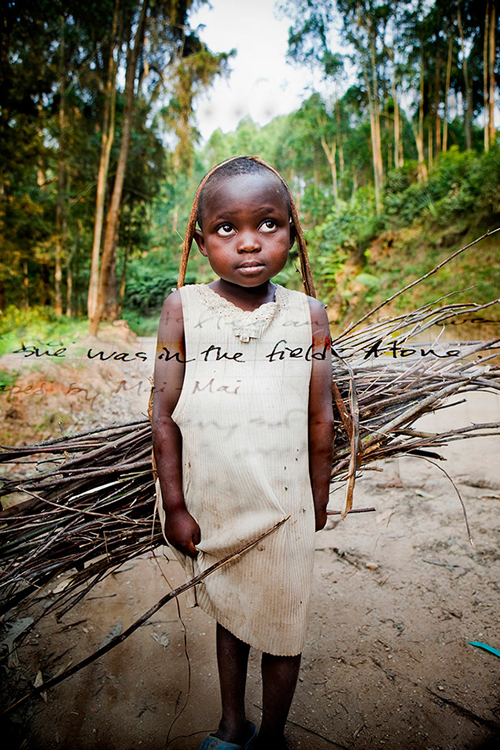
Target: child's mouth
(250, 267)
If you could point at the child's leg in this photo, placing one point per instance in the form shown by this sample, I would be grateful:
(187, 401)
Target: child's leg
(279, 679)
(232, 660)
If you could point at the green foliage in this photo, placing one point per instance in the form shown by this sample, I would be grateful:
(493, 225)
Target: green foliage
(51, 122)
(461, 183)
(37, 326)
(248, 138)
(150, 279)
(344, 235)
(147, 287)
(436, 216)
(7, 378)
(55, 61)
(142, 325)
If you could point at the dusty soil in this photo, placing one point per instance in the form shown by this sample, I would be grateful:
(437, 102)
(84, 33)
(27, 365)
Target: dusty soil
(398, 594)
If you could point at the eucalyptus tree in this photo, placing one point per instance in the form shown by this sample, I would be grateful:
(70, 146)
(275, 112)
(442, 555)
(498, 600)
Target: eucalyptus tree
(315, 139)
(163, 59)
(446, 74)
(491, 20)
(364, 26)
(45, 52)
(309, 44)
(83, 88)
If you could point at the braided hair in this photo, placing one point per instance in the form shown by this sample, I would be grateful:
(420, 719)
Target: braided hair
(229, 168)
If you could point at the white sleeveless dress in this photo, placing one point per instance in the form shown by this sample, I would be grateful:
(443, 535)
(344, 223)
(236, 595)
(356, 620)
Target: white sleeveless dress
(243, 415)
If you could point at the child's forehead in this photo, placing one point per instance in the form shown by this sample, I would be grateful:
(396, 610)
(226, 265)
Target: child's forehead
(258, 186)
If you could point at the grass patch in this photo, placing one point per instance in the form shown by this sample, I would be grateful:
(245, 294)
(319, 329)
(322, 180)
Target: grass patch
(7, 378)
(40, 327)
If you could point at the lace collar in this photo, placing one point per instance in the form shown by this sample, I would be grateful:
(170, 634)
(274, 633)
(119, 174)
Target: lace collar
(247, 324)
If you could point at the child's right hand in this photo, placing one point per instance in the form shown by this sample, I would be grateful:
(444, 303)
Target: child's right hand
(182, 531)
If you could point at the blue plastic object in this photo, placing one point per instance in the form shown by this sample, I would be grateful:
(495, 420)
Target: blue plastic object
(486, 647)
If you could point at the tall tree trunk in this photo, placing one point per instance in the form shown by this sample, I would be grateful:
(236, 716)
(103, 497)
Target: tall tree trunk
(419, 138)
(108, 260)
(26, 285)
(59, 235)
(437, 99)
(108, 132)
(467, 87)
(331, 155)
(69, 288)
(377, 143)
(123, 279)
(315, 172)
(397, 127)
(486, 73)
(111, 301)
(491, 73)
(369, 62)
(69, 260)
(341, 140)
(375, 137)
(60, 222)
(447, 93)
(398, 143)
(354, 189)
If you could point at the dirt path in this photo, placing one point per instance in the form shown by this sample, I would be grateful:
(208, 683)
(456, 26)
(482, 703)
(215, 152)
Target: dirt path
(398, 594)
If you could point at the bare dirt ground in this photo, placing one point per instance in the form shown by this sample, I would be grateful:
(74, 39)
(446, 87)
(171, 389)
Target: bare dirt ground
(398, 594)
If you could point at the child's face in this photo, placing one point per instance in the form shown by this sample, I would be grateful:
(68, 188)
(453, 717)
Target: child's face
(246, 233)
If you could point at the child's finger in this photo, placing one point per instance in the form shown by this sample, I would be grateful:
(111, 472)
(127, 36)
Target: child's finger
(197, 537)
(191, 549)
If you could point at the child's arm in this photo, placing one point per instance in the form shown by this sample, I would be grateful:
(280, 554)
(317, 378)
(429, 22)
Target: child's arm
(320, 412)
(181, 529)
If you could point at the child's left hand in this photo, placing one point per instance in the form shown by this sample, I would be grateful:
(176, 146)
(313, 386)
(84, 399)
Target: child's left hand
(182, 531)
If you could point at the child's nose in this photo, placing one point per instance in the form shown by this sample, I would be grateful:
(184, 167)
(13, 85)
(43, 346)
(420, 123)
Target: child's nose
(248, 241)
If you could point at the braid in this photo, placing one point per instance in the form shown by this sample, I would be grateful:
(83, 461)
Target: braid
(305, 268)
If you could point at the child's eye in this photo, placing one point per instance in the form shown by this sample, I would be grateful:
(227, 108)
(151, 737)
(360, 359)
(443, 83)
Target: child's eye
(224, 230)
(268, 225)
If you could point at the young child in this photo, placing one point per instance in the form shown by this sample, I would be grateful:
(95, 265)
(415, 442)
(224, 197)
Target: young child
(242, 435)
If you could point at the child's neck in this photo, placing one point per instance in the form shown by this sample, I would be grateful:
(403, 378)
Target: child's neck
(247, 298)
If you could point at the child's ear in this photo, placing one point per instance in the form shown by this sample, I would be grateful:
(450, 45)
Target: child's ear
(200, 241)
(293, 234)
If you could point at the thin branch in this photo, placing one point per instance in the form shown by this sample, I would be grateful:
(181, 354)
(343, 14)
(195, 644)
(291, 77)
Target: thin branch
(145, 617)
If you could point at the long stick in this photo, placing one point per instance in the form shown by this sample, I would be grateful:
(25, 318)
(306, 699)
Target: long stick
(145, 617)
(353, 510)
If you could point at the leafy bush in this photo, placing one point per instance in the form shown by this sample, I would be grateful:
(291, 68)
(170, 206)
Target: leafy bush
(145, 291)
(149, 280)
(345, 234)
(462, 182)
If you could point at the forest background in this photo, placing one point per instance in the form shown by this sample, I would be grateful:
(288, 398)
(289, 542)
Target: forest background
(101, 154)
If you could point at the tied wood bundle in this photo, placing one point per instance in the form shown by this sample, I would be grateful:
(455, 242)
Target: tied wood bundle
(90, 504)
